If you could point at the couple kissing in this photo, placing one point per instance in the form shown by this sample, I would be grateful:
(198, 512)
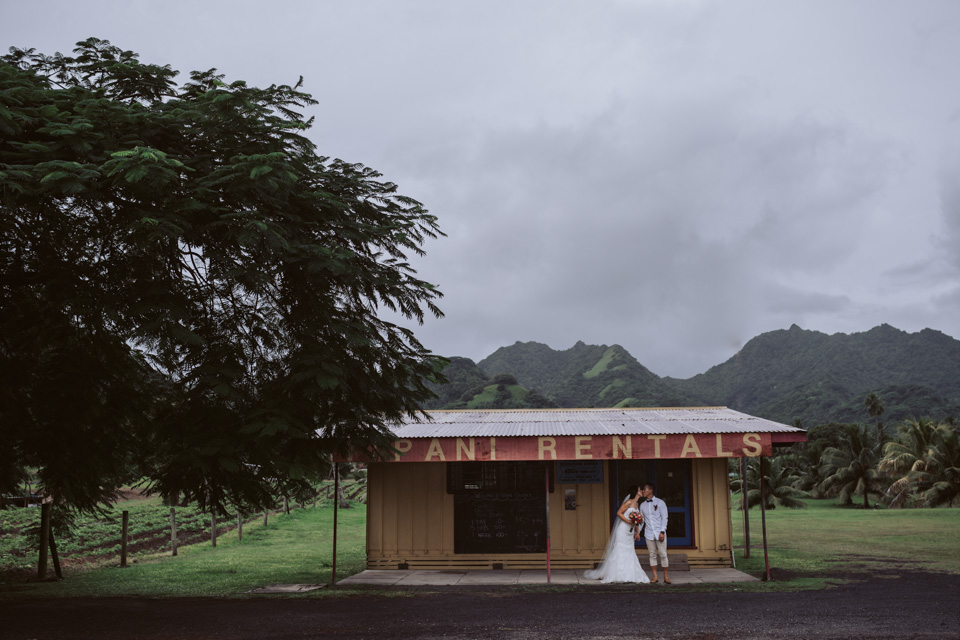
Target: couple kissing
(641, 515)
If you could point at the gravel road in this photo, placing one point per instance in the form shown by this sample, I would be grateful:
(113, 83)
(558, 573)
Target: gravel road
(893, 605)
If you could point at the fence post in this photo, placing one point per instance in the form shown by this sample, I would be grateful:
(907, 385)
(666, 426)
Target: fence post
(213, 527)
(123, 538)
(333, 572)
(239, 527)
(265, 511)
(173, 530)
(286, 505)
(44, 540)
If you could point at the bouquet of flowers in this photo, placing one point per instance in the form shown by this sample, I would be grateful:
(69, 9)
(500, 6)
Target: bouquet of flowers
(635, 521)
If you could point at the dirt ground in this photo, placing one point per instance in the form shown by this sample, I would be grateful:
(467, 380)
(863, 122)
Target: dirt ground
(892, 605)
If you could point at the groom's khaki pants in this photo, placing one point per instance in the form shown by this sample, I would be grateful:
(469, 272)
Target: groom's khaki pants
(658, 547)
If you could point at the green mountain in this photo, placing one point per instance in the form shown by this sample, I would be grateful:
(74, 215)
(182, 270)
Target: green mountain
(584, 375)
(813, 377)
(785, 375)
(462, 374)
(468, 387)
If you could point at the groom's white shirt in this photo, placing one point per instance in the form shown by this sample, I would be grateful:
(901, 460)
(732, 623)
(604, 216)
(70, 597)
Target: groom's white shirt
(655, 520)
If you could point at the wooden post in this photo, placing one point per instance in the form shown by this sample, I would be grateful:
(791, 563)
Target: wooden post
(763, 520)
(265, 516)
(44, 540)
(124, 528)
(54, 555)
(173, 530)
(286, 505)
(213, 526)
(239, 527)
(546, 469)
(745, 507)
(336, 480)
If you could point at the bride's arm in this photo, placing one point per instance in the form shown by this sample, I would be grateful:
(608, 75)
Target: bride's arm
(622, 510)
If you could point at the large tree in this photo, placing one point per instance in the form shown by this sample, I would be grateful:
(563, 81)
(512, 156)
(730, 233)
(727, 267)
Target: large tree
(189, 293)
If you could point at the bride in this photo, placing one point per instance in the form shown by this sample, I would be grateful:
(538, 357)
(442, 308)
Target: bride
(620, 562)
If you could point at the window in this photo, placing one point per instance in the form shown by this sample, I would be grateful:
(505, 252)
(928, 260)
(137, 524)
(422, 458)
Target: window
(497, 477)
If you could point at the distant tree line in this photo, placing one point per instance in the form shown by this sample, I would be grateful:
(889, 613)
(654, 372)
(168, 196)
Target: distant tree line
(918, 465)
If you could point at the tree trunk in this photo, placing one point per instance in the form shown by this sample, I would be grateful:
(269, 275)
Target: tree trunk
(44, 541)
(341, 498)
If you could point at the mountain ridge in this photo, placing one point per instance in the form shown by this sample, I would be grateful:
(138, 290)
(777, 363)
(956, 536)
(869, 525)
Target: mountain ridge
(786, 375)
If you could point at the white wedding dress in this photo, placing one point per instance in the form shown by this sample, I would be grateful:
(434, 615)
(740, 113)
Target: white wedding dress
(620, 562)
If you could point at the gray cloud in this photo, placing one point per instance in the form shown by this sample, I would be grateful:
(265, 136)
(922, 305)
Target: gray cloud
(673, 177)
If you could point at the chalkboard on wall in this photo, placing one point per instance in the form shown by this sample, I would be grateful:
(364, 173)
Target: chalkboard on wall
(500, 522)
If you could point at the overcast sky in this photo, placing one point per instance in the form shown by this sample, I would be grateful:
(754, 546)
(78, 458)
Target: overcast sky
(674, 176)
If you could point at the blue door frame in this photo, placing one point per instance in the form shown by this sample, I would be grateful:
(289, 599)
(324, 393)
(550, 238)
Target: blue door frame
(682, 512)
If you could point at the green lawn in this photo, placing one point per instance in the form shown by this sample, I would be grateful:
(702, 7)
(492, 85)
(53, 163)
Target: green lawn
(809, 548)
(295, 548)
(825, 542)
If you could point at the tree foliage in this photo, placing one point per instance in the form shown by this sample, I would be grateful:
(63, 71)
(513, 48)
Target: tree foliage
(189, 291)
(924, 462)
(779, 484)
(850, 468)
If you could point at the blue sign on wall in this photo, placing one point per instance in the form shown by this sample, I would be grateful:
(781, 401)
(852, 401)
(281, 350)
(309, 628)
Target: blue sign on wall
(579, 472)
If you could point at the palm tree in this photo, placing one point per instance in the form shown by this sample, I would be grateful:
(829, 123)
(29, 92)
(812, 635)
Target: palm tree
(907, 457)
(874, 407)
(851, 468)
(942, 471)
(807, 468)
(779, 480)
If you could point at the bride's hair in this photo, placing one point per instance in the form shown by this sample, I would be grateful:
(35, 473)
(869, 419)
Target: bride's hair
(632, 492)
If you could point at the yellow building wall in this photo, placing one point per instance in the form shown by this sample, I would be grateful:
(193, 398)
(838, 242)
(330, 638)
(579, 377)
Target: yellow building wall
(410, 521)
(711, 513)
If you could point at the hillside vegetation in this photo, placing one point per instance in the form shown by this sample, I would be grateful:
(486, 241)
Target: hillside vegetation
(785, 375)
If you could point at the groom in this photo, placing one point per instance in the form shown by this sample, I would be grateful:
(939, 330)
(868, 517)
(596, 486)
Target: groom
(654, 511)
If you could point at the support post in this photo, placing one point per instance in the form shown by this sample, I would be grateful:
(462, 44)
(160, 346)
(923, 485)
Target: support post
(124, 529)
(745, 507)
(44, 540)
(546, 474)
(336, 483)
(173, 530)
(763, 520)
(239, 527)
(265, 512)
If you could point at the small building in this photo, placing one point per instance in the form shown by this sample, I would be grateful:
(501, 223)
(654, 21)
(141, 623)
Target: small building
(484, 489)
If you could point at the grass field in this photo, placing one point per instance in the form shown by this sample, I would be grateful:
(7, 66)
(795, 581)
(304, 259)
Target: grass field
(294, 548)
(826, 542)
(809, 548)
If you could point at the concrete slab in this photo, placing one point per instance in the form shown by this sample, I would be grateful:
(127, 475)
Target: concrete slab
(400, 578)
(560, 576)
(377, 577)
(723, 575)
(287, 588)
(432, 578)
(499, 576)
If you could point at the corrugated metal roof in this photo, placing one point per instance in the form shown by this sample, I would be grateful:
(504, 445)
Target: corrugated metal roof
(585, 422)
